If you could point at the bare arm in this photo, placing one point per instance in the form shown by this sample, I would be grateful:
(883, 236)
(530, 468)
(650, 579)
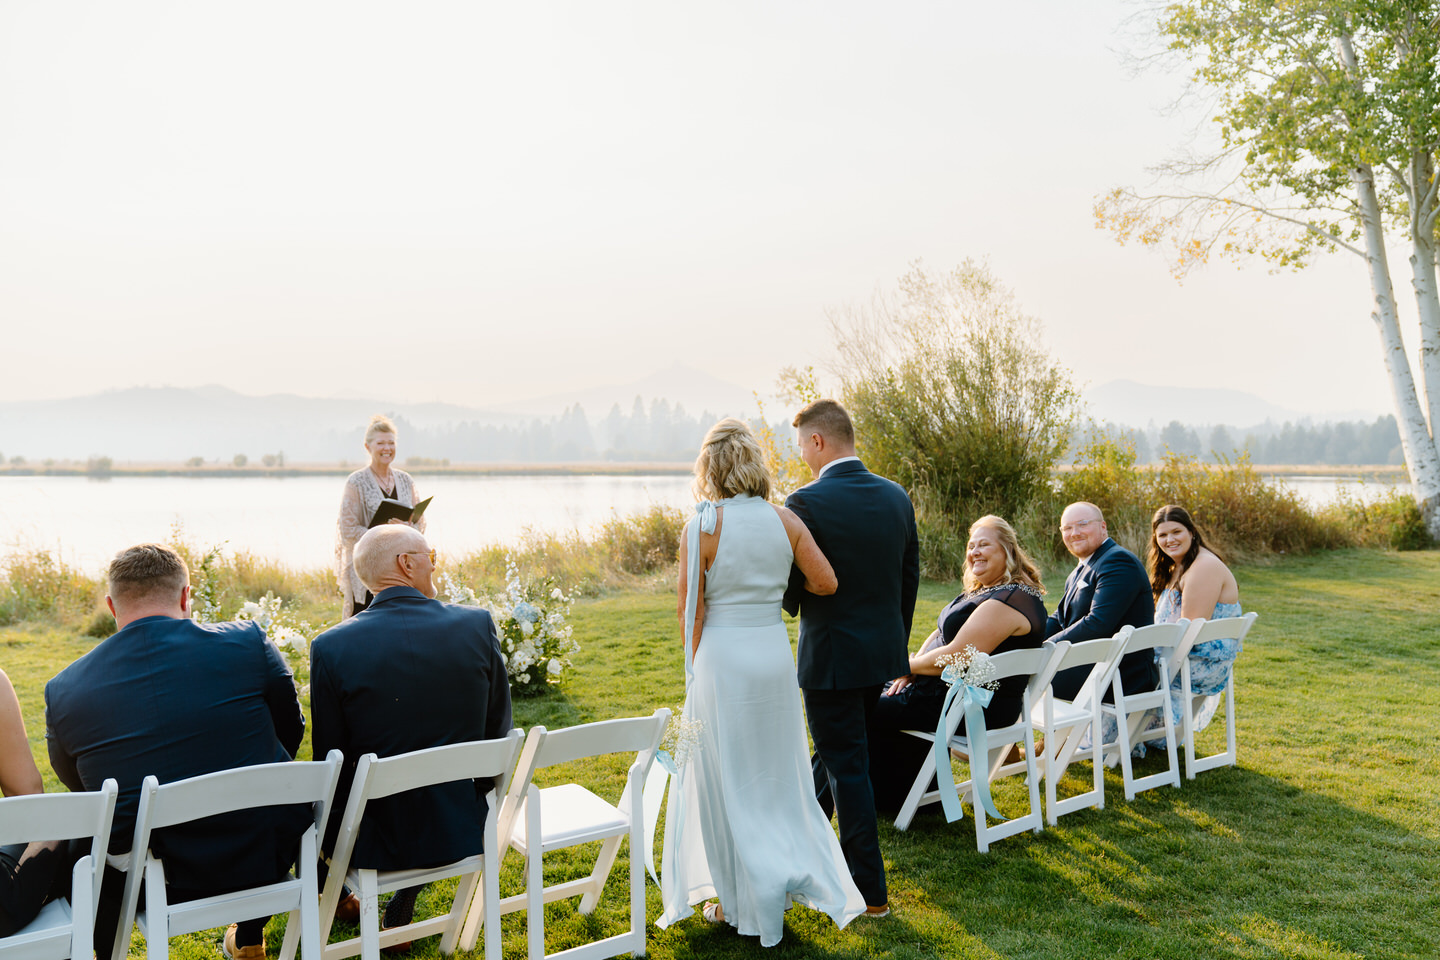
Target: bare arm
(1205, 584)
(990, 625)
(18, 773)
(819, 575)
(683, 584)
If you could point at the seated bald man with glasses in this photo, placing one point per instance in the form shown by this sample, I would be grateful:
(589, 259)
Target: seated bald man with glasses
(408, 673)
(1107, 590)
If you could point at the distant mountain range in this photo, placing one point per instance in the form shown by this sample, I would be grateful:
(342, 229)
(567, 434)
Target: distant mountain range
(216, 423)
(1130, 404)
(173, 424)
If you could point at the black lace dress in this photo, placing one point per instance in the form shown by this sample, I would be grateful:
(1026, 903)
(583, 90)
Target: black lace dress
(895, 757)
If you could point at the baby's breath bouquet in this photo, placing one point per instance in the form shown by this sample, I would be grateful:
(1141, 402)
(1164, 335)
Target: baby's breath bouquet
(536, 639)
(968, 666)
(682, 738)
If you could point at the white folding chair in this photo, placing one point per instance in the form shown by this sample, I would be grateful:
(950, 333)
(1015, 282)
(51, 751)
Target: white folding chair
(61, 929)
(1130, 708)
(1038, 665)
(376, 778)
(1202, 631)
(1064, 723)
(243, 788)
(542, 820)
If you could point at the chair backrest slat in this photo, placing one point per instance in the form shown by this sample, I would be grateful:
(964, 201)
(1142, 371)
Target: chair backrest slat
(479, 759)
(55, 816)
(625, 735)
(241, 788)
(1163, 635)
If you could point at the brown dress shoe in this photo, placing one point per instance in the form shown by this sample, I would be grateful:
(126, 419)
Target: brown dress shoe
(348, 909)
(877, 912)
(255, 952)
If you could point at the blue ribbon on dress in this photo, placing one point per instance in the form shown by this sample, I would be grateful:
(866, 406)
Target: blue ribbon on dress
(972, 701)
(705, 519)
(664, 767)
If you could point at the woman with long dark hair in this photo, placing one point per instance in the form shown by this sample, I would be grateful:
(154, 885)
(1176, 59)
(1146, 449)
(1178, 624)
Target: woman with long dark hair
(1190, 581)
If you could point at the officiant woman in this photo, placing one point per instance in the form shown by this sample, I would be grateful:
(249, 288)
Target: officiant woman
(364, 489)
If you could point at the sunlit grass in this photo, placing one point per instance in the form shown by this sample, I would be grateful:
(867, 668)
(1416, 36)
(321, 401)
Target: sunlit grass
(1321, 843)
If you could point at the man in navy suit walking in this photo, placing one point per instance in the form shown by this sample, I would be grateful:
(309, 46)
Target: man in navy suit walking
(853, 642)
(408, 673)
(1107, 590)
(171, 697)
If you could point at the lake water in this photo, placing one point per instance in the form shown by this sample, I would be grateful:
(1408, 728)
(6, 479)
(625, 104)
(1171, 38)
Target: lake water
(292, 519)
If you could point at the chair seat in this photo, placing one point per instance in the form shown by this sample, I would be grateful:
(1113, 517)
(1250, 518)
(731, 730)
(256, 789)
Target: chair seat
(1065, 713)
(52, 923)
(573, 815)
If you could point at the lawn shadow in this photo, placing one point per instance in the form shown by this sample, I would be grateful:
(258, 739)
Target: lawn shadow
(1184, 868)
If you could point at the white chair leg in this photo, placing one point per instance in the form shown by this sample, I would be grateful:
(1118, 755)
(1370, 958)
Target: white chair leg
(917, 790)
(534, 880)
(82, 910)
(369, 915)
(157, 926)
(600, 874)
(464, 893)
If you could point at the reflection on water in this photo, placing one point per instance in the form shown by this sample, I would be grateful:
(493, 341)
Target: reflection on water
(292, 519)
(1319, 490)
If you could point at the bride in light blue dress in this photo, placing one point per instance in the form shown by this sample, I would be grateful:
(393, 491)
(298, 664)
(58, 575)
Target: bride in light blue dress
(742, 824)
(1191, 582)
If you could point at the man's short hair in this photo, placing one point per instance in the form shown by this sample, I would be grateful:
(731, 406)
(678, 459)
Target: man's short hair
(375, 552)
(147, 571)
(827, 418)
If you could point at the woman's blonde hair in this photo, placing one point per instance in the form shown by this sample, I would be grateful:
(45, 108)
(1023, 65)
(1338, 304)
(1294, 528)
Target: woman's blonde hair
(731, 463)
(379, 424)
(1019, 568)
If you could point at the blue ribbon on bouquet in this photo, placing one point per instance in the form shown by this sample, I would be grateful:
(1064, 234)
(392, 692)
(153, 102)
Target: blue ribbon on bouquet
(654, 794)
(973, 701)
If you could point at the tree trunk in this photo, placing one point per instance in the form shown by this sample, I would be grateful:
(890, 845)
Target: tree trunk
(1415, 438)
(1423, 274)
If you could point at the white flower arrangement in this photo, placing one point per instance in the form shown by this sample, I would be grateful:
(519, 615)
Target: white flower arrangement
(536, 639)
(682, 737)
(288, 632)
(968, 666)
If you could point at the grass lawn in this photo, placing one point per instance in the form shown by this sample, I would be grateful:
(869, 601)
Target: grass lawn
(1320, 844)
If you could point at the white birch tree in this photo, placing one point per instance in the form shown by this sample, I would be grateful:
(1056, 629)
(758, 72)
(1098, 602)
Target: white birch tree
(1329, 126)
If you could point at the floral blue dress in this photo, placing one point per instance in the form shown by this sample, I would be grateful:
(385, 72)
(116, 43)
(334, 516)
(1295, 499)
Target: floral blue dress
(1210, 664)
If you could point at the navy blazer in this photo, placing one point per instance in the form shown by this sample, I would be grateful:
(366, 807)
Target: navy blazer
(865, 526)
(1115, 593)
(177, 699)
(408, 673)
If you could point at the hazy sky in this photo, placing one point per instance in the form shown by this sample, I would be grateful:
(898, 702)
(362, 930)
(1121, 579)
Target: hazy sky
(480, 202)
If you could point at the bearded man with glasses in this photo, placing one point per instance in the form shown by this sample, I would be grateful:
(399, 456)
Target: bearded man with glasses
(1107, 590)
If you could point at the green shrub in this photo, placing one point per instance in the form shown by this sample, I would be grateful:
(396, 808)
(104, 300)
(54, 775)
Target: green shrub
(1394, 521)
(954, 396)
(1244, 516)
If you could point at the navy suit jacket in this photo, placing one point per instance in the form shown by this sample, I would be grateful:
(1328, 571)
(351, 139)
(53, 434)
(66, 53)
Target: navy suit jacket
(408, 673)
(177, 699)
(1115, 593)
(865, 526)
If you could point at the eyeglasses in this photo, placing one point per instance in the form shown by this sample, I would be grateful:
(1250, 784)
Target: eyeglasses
(417, 553)
(1077, 526)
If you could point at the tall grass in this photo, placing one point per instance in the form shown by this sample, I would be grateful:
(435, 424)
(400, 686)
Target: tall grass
(37, 586)
(1247, 517)
(634, 552)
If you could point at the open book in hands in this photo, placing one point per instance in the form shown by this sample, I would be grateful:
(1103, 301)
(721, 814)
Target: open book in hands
(395, 510)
